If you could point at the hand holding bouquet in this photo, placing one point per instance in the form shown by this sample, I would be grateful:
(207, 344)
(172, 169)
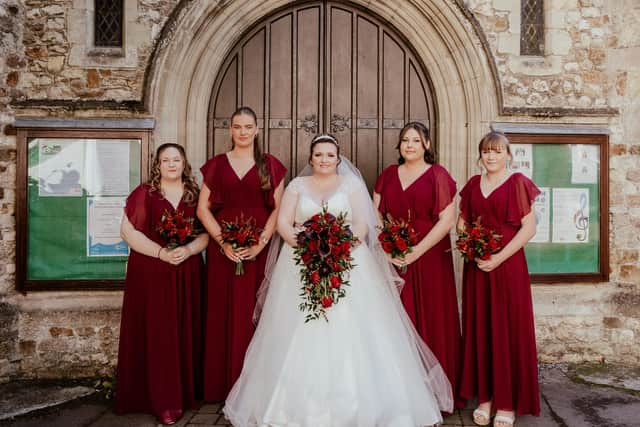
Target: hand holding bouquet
(240, 233)
(478, 242)
(177, 229)
(324, 254)
(397, 238)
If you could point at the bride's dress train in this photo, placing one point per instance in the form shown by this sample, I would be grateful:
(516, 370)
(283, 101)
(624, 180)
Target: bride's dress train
(361, 368)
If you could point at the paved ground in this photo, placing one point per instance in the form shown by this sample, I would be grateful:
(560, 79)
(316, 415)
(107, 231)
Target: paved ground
(583, 396)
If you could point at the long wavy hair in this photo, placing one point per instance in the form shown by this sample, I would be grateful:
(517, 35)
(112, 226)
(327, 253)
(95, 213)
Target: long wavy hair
(191, 189)
(258, 156)
(423, 131)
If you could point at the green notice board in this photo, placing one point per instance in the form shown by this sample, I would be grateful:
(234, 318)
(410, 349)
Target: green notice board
(76, 192)
(567, 211)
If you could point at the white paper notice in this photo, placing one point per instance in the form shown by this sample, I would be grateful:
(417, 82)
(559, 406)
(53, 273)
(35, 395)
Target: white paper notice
(541, 210)
(109, 172)
(522, 159)
(60, 168)
(570, 215)
(584, 164)
(103, 226)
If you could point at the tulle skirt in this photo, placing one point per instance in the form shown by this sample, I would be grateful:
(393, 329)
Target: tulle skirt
(365, 367)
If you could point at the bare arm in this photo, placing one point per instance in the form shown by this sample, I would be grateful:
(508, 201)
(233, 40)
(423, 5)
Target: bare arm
(359, 225)
(376, 202)
(286, 217)
(211, 224)
(446, 219)
(269, 227)
(526, 232)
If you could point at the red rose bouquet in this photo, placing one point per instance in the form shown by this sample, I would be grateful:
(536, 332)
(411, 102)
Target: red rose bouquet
(177, 229)
(324, 254)
(478, 242)
(241, 233)
(397, 238)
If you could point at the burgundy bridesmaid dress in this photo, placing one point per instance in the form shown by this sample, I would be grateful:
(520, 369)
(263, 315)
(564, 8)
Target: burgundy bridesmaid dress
(230, 299)
(500, 361)
(159, 361)
(429, 293)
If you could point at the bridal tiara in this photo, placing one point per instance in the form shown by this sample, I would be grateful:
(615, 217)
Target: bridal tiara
(325, 137)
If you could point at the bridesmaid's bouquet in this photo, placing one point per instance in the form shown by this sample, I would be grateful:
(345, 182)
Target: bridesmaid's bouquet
(397, 238)
(324, 254)
(478, 242)
(240, 233)
(177, 228)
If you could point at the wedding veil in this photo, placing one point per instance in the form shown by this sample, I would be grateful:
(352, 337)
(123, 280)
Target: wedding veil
(434, 375)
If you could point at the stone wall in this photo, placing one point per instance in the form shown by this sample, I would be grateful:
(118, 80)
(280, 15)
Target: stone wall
(590, 65)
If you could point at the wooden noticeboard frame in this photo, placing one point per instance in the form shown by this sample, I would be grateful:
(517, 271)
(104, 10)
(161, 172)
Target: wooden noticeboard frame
(137, 138)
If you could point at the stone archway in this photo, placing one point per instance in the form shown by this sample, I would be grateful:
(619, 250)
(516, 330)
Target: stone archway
(187, 62)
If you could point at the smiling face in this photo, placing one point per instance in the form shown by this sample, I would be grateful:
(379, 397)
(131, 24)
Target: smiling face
(494, 153)
(171, 164)
(243, 130)
(324, 158)
(412, 146)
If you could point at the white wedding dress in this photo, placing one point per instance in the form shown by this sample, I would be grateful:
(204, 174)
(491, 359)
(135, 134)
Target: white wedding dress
(361, 368)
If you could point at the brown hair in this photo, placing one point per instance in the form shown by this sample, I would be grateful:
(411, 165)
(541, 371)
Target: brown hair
(258, 157)
(492, 141)
(191, 189)
(324, 137)
(423, 131)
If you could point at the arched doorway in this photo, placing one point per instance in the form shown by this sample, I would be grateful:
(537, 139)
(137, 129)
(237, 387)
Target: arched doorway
(323, 67)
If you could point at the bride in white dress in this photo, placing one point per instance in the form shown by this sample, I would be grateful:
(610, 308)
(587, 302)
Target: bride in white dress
(366, 366)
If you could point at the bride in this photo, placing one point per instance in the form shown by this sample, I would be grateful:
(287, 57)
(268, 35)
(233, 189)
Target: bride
(366, 365)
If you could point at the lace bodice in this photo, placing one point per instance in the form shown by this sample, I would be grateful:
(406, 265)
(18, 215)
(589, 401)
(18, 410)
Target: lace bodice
(310, 204)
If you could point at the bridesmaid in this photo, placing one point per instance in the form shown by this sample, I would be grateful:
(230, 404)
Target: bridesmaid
(245, 182)
(159, 362)
(499, 358)
(422, 192)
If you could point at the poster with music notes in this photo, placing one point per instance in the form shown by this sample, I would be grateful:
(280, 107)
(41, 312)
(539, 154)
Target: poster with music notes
(570, 215)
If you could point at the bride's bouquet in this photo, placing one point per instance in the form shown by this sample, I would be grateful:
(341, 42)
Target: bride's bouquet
(478, 242)
(324, 254)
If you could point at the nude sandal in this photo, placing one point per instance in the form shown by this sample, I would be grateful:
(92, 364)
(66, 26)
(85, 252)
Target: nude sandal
(481, 417)
(504, 420)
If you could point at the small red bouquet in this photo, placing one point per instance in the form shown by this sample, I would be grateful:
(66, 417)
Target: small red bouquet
(478, 242)
(324, 252)
(177, 229)
(241, 233)
(397, 238)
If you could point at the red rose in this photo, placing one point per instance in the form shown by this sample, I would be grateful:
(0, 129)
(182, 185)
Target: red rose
(346, 247)
(313, 246)
(388, 247)
(413, 237)
(401, 244)
(485, 256)
(336, 281)
(315, 277)
(306, 257)
(381, 237)
(475, 233)
(326, 301)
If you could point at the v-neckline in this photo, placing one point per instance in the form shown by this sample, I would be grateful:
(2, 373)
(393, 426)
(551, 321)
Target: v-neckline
(175, 208)
(404, 189)
(240, 178)
(504, 181)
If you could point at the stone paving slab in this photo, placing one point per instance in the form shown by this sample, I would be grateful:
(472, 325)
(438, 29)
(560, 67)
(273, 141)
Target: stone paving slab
(564, 403)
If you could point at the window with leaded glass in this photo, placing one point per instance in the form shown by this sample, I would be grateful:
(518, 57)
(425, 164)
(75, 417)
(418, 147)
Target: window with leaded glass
(532, 28)
(108, 23)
